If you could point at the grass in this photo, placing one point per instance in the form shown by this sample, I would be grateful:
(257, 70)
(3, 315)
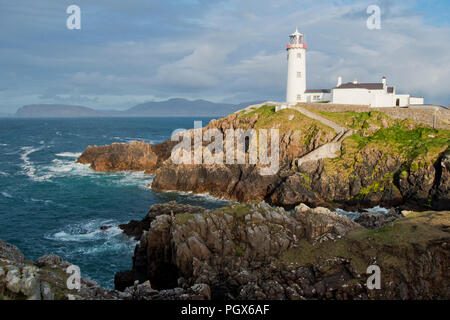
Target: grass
(287, 120)
(392, 245)
(356, 120)
(182, 218)
(417, 147)
(239, 251)
(237, 211)
(263, 111)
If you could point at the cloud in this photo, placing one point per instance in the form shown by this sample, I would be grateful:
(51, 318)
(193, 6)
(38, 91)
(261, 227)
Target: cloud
(218, 50)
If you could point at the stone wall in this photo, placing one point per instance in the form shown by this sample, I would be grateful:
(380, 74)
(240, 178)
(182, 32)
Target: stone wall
(422, 116)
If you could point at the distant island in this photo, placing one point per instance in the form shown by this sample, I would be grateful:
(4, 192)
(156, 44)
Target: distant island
(176, 107)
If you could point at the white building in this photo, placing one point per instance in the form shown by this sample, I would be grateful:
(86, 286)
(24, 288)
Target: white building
(371, 94)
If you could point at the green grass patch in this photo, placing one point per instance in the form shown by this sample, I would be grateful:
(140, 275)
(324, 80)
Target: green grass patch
(182, 218)
(393, 245)
(239, 251)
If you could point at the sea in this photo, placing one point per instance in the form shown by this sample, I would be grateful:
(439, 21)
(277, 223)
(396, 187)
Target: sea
(51, 204)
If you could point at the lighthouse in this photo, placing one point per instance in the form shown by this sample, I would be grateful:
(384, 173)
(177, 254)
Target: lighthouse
(296, 75)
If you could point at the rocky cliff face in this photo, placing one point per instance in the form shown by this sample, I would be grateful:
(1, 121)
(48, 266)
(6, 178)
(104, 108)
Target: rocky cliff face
(136, 156)
(46, 279)
(385, 162)
(256, 251)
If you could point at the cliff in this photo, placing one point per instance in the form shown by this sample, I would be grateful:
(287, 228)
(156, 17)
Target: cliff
(46, 279)
(255, 251)
(379, 161)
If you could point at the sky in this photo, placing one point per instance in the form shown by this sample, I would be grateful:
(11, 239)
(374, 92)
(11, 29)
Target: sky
(129, 52)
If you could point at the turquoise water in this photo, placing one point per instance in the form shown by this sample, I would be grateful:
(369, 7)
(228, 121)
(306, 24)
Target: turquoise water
(50, 204)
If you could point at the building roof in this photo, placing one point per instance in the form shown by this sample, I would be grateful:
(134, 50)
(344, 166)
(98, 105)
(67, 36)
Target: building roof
(369, 86)
(318, 91)
(390, 89)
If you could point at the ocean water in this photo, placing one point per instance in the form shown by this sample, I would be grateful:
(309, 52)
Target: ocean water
(50, 204)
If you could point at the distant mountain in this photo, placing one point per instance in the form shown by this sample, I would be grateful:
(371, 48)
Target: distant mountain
(182, 108)
(57, 111)
(170, 108)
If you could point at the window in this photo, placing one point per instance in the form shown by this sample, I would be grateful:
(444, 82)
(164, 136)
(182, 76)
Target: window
(299, 55)
(316, 97)
(299, 97)
(299, 74)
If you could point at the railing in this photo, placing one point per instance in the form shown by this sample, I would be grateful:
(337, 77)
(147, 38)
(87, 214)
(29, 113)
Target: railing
(296, 45)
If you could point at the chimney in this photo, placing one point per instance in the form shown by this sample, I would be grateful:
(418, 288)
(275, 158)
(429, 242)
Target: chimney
(339, 81)
(355, 81)
(383, 81)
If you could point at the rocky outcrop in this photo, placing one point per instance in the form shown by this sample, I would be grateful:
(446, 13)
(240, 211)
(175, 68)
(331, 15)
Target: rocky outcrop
(46, 279)
(136, 156)
(136, 228)
(256, 251)
(363, 174)
(374, 220)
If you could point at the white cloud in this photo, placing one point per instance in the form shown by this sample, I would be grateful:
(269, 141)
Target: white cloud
(218, 50)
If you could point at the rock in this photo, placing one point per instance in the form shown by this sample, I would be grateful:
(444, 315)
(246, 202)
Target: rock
(202, 290)
(51, 260)
(322, 221)
(45, 279)
(302, 208)
(46, 291)
(30, 284)
(365, 177)
(123, 279)
(373, 220)
(406, 213)
(245, 252)
(13, 280)
(136, 228)
(11, 253)
(136, 156)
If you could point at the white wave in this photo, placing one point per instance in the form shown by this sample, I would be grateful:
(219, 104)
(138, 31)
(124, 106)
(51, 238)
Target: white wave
(3, 145)
(378, 209)
(27, 167)
(6, 194)
(350, 214)
(111, 245)
(87, 231)
(4, 174)
(42, 201)
(130, 139)
(91, 239)
(69, 154)
(205, 196)
(356, 214)
(129, 179)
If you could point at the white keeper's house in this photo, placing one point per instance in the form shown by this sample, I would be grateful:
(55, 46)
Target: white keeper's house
(376, 94)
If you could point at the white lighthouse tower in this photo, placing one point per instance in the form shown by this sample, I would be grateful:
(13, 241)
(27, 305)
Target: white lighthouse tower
(296, 77)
